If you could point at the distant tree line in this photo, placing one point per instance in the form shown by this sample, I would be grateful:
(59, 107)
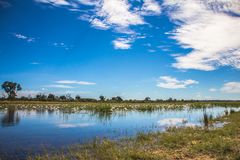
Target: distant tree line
(11, 89)
(69, 98)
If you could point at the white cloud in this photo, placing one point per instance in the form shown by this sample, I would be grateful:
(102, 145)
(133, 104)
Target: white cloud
(96, 23)
(55, 2)
(88, 2)
(85, 17)
(114, 14)
(58, 86)
(212, 89)
(20, 36)
(206, 28)
(231, 87)
(117, 12)
(151, 7)
(110, 12)
(118, 15)
(75, 82)
(173, 83)
(122, 43)
(124, 30)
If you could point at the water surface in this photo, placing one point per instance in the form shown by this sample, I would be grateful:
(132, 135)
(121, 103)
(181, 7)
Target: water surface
(29, 131)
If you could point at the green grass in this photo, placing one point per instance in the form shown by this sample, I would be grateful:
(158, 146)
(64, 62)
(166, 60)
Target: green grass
(177, 143)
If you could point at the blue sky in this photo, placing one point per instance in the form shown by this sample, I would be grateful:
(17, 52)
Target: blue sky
(129, 48)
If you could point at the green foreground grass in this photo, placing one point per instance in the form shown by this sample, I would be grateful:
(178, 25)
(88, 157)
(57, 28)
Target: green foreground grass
(177, 143)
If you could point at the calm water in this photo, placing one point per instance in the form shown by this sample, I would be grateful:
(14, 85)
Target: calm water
(24, 131)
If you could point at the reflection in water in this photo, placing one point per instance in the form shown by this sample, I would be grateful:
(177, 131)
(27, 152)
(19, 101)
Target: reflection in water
(206, 119)
(50, 111)
(11, 118)
(40, 112)
(103, 116)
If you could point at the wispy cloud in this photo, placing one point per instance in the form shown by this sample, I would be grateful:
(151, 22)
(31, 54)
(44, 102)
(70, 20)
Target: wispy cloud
(122, 43)
(173, 83)
(151, 7)
(75, 82)
(209, 30)
(20, 36)
(116, 15)
(117, 12)
(231, 87)
(165, 48)
(56, 2)
(61, 45)
(88, 2)
(59, 86)
(97, 23)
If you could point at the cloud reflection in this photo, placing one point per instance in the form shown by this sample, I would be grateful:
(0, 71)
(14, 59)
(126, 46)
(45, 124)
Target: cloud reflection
(72, 125)
(171, 121)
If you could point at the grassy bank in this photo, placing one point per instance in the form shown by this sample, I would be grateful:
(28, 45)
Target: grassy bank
(177, 143)
(110, 106)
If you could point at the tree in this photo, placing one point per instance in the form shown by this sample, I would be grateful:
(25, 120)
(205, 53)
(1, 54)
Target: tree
(41, 97)
(78, 98)
(69, 97)
(102, 98)
(63, 98)
(159, 100)
(51, 97)
(118, 99)
(170, 99)
(147, 99)
(24, 98)
(11, 89)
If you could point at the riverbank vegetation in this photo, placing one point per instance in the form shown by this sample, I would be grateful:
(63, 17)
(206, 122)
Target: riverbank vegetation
(113, 106)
